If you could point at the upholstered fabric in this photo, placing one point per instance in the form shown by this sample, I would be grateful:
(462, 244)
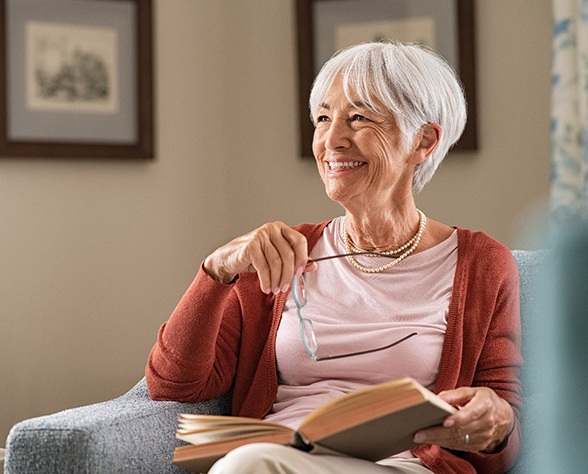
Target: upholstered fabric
(132, 434)
(531, 264)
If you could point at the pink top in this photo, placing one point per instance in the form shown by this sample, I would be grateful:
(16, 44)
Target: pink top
(353, 311)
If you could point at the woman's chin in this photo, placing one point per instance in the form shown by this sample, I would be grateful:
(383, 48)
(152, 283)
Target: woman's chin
(340, 196)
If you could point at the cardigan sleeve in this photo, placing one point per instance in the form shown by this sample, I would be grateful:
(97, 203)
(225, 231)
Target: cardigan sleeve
(195, 356)
(500, 359)
(220, 338)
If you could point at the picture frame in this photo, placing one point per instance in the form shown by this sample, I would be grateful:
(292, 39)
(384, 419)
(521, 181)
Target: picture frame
(323, 26)
(76, 79)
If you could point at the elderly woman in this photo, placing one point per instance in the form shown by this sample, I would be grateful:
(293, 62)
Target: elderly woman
(385, 116)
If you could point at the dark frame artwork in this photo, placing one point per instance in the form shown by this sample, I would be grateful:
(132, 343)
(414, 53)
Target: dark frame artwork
(307, 51)
(50, 127)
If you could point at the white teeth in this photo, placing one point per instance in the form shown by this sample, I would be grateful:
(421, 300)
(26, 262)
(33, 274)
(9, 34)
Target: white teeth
(344, 164)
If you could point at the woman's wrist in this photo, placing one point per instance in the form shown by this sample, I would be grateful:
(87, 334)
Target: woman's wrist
(217, 273)
(506, 422)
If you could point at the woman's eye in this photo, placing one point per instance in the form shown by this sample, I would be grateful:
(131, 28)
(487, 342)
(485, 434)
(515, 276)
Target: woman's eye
(322, 118)
(358, 118)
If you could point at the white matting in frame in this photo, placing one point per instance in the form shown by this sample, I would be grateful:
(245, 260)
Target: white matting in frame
(71, 68)
(419, 30)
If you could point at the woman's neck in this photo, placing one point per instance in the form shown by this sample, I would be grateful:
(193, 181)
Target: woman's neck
(382, 231)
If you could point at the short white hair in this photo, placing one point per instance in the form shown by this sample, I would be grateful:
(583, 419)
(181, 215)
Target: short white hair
(412, 82)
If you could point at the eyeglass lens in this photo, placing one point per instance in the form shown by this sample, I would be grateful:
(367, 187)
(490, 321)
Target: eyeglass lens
(299, 290)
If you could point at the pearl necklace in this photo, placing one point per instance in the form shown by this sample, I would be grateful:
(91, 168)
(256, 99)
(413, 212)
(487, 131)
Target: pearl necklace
(408, 248)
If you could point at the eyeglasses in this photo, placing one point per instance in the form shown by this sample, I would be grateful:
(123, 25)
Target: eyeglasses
(306, 327)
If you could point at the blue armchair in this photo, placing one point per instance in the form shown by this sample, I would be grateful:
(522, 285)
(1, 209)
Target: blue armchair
(132, 434)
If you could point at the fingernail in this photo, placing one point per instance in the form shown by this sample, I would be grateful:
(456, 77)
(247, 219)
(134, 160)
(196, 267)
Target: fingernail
(419, 437)
(276, 290)
(285, 288)
(299, 271)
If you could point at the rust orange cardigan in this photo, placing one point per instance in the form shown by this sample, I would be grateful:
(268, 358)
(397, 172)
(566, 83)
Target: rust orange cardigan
(222, 337)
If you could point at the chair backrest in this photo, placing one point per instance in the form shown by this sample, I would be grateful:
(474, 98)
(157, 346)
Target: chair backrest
(531, 264)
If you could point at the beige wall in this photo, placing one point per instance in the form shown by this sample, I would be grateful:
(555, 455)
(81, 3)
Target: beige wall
(94, 255)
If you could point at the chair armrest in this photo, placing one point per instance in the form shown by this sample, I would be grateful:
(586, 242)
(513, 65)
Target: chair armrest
(130, 434)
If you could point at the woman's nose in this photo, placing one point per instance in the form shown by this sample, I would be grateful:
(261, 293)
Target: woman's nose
(338, 135)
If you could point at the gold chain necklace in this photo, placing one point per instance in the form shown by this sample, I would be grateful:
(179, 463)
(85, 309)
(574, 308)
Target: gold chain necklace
(408, 248)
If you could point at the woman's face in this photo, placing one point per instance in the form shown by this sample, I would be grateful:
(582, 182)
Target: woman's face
(359, 154)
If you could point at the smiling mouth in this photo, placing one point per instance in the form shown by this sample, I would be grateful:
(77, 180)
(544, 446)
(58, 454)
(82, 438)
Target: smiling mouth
(342, 165)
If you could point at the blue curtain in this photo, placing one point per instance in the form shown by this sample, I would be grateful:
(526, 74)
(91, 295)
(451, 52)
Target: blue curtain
(569, 117)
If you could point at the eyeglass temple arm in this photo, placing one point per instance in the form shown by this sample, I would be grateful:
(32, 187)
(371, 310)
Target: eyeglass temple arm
(369, 351)
(350, 254)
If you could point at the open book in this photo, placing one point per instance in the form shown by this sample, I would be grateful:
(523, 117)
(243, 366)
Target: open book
(372, 423)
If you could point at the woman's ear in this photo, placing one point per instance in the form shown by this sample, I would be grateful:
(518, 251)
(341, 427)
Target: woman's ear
(426, 139)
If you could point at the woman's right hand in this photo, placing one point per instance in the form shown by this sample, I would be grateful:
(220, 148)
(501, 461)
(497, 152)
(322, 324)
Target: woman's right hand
(275, 251)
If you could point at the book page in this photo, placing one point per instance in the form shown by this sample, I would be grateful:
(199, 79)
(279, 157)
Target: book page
(206, 429)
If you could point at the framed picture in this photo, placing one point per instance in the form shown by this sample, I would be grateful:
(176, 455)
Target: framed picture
(326, 26)
(76, 79)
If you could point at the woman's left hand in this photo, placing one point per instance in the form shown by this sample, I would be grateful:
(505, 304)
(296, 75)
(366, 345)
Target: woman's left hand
(482, 423)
